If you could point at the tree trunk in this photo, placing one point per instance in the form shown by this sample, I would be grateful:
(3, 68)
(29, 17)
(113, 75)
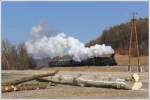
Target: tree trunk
(26, 79)
(21, 87)
(128, 83)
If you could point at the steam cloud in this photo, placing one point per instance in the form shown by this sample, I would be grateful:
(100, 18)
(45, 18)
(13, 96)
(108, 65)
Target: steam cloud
(41, 46)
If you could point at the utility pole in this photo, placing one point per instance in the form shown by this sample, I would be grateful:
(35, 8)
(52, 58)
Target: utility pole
(134, 43)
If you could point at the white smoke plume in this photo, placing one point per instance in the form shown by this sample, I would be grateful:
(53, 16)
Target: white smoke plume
(41, 46)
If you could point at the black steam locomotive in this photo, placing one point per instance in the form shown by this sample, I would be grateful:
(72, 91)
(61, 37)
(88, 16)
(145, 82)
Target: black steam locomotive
(96, 61)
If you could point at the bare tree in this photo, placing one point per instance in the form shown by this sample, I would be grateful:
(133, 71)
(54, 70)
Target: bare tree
(15, 57)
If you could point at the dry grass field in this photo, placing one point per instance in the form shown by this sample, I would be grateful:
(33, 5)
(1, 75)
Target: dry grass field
(75, 92)
(123, 60)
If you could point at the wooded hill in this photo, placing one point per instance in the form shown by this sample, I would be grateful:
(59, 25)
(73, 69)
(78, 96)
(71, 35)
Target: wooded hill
(118, 37)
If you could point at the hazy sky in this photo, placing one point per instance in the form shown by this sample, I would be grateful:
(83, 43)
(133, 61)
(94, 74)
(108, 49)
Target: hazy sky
(82, 20)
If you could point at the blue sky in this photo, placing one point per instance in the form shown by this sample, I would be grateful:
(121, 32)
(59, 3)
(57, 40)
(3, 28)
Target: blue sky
(82, 20)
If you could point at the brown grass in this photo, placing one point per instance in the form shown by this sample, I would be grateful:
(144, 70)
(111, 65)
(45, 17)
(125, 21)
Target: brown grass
(123, 60)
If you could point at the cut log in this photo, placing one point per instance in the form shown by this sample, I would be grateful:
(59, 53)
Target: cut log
(61, 79)
(135, 77)
(78, 80)
(26, 79)
(105, 84)
(24, 87)
(137, 86)
(82, 81)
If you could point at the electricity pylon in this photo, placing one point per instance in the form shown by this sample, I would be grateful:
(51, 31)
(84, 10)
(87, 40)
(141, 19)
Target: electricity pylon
(134, 42)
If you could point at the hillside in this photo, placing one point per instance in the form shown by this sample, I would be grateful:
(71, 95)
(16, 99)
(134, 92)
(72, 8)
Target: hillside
(118, 37)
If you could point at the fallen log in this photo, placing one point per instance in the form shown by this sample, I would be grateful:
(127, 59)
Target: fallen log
(133, 77)
(111, 84)
(21, 87)
(26, 79)
(133, 84)
(59, 80)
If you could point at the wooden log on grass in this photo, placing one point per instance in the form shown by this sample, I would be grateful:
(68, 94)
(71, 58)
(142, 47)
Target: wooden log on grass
(132, 84)
(26, 79)
(21, 87)
(111, 84)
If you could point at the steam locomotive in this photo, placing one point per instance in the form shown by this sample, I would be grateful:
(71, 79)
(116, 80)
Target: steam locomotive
(95, 61)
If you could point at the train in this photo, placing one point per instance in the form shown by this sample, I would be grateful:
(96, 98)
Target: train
(95, 61)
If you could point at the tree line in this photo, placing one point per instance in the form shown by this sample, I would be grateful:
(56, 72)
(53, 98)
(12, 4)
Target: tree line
(15, 57)
(118, 37)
